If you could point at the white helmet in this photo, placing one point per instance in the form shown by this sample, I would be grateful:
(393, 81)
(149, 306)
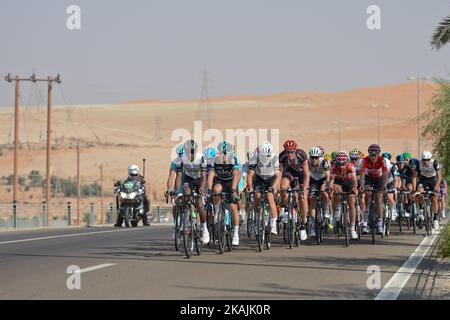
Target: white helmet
(249, 155)
(265, 152)
(133, 170)
(426, 155)
(315, 152)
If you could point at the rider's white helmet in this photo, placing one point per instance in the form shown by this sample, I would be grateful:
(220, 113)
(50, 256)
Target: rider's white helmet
(315, 152)
(133, 170)
(265, 152)
(426, 155)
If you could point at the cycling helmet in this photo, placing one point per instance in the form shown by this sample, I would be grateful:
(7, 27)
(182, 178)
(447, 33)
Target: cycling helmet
(290, 145)
(407, 155)
(133, 170)
(327, 156)
(374, 150)
(209, 153)
(387, 155)
(355, 154)
(426, 155)
(191, 145)
(265, 152)
(401, 158)
(224, 147)
(333, 155)
(315, 152)
(322, 150)
(180, 150)
(341, 158)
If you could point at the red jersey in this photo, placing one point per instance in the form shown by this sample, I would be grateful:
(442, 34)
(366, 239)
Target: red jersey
(344, 173)
(374, 170)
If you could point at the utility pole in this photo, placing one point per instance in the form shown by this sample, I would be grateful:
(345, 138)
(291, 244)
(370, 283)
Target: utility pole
(379, 106)
(418, 78)
(340, 124)
(49, 81)
(101, 190)
(78, 182)
(204, 106)
(17, 80)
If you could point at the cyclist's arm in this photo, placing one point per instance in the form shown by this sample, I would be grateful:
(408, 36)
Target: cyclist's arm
(385, 179)
(414, 180)
(202, 181)
(178, 180)
(236, 178)
(362, 174)
(331, 183)
(438, 183)
(171, 179)
(277, 182)
(211, 175)
(307, 174)
(250, 175)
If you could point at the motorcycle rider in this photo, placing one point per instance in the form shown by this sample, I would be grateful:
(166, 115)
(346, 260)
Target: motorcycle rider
(133, 174)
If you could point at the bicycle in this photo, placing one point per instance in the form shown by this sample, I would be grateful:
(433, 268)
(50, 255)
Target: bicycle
(427, 210)
(224, 227)
(387, 214)
(250, 224)
(343, 227)
(290, 222)
(190, 230)
(262, 230)
(373, 211)
(401, 210)
(319, 221)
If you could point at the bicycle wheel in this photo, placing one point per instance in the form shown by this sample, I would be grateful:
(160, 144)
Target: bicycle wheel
(259, 230)
(400, 214)
(387, 222)
(268, 235)
(413, 217)
(220, 230)
(345, 224)
(428, 218)
(290, 225)
(177, 228)
(197, 237)
(373, 221)
(188, 237)
(250, 220)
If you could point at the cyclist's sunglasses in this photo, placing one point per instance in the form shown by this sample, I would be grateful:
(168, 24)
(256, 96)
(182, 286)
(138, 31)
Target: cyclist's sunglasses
(291, 152)
(314, 157)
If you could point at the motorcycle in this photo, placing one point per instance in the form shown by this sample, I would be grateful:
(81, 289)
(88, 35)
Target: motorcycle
(130, 202)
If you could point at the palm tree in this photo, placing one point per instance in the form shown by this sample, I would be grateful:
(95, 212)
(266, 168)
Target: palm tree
(441, 35)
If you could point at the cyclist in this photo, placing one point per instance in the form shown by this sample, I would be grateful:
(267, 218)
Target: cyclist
(209, 154)
(406, 174)
(264, 173)
(319, 169)
(356, 157)
(333, 157)
(429, 174)
(294, 164)
(343, 179)
(191, 177)
(374, 173)
(244, 173)
(224, 177)
(393, 184)
(170, 191)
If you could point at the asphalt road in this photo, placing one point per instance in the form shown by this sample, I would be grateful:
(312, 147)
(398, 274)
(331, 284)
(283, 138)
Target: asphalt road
(143, 264)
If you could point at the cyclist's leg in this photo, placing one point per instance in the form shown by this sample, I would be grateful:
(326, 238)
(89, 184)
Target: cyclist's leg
(285, 183)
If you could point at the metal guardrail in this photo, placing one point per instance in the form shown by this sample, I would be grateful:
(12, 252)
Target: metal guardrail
(27, 215)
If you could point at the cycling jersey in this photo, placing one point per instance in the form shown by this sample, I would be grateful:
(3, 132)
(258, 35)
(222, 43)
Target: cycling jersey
(427, 171)
(192, 169)
(223, 166)
(443, 186)
(264, 171)
(318, 172)
(344, 173)
(374, 170)
(295, 166)
(406, 173)
(392, 170)
(358, 167)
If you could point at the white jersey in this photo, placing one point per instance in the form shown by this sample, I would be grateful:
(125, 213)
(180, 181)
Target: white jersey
(264, 171)
(392, 170)
(192, 169)
(429, 171)
(318, 172)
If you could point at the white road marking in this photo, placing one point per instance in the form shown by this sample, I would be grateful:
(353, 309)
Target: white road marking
(69, 235)
(395, 285)
(100, 266)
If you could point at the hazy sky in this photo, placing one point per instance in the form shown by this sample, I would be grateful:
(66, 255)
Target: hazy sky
(158, 49)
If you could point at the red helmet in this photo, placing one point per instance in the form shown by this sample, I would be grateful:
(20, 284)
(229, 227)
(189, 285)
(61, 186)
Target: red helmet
(342, 158)
(374, 149)
(290, 145)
